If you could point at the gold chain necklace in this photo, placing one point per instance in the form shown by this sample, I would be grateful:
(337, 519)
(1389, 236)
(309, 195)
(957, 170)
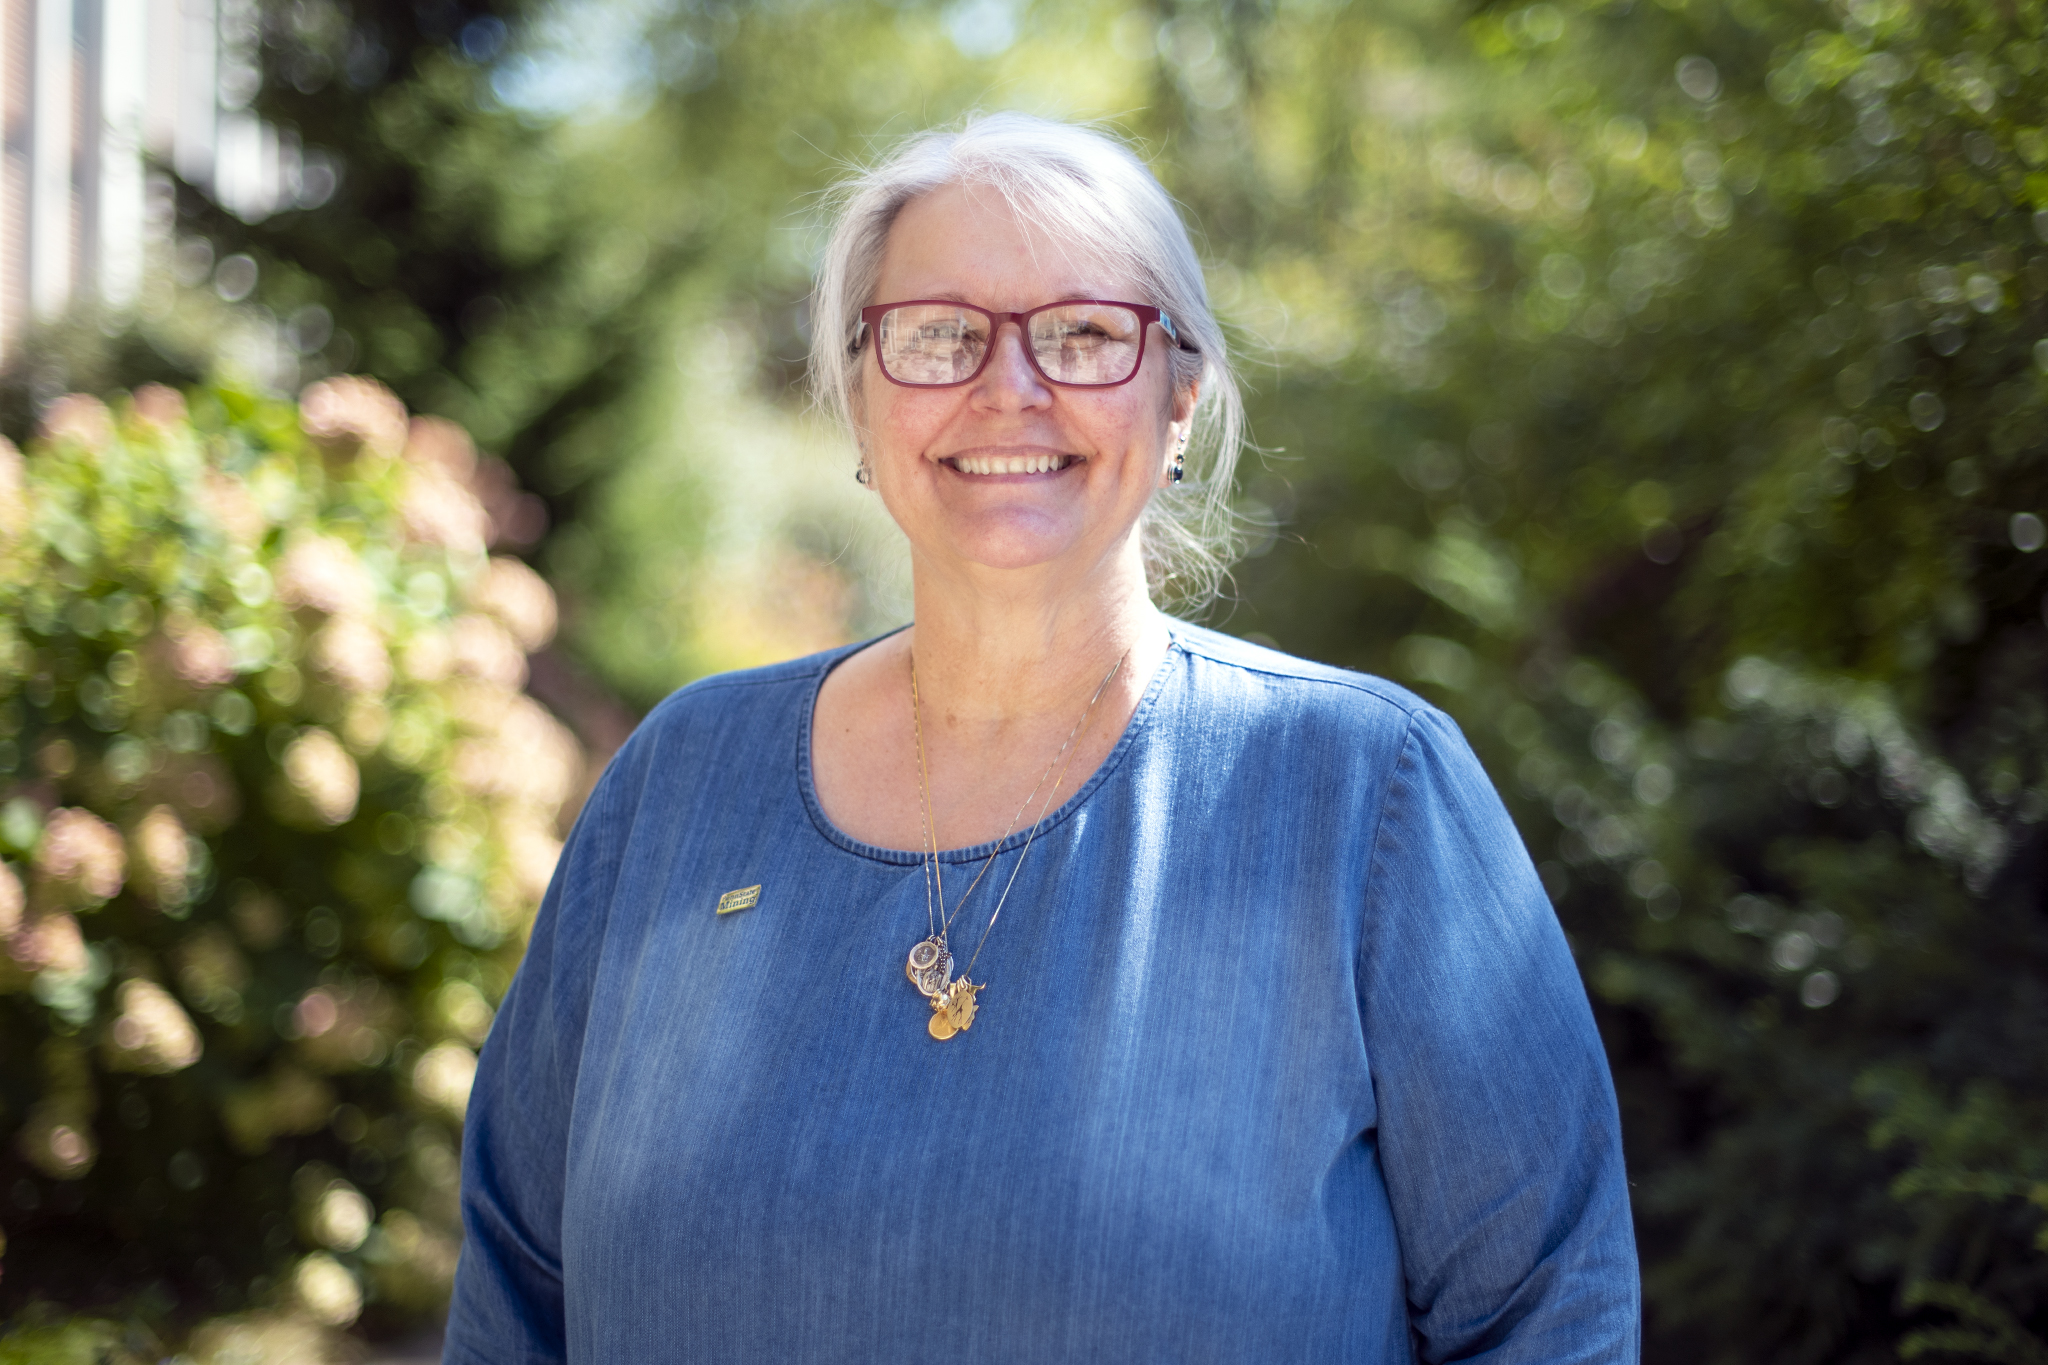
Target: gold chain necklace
(930, 967)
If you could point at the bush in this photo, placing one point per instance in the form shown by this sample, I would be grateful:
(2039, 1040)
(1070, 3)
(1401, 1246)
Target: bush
(276, 814)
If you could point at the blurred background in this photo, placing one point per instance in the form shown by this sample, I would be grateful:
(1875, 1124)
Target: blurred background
(1657, 385)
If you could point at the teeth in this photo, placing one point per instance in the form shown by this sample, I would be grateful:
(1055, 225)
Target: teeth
(1009, 464)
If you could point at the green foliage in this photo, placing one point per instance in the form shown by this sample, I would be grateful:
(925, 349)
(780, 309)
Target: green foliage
(615, 301)
(1983, 1150)
(387, 271)
(75, 1341)
(275, 814)
(1658, 385)
(1692, 455)
(1990, 1333)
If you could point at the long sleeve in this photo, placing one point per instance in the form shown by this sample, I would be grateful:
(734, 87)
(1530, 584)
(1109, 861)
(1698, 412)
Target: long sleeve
(1498, 1131)
(508, 1301)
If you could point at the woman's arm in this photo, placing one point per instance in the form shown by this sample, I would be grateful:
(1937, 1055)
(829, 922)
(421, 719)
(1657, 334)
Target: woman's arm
(507, 1307)
(1497, 1126)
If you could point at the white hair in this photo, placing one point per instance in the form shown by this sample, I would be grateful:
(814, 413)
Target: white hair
(1089, 188)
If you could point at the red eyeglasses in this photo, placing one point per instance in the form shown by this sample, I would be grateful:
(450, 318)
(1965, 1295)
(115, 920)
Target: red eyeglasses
(1083, 343)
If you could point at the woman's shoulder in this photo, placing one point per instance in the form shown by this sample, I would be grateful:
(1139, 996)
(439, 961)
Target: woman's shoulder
(719, 699)
(1327, 724)
(1233, 671)
(1327, 738)
(729, 721)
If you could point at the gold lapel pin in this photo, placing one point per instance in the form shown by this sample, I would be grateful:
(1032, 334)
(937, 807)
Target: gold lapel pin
(746, 898)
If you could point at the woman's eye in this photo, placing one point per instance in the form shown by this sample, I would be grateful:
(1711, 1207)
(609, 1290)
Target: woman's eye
(948, 335)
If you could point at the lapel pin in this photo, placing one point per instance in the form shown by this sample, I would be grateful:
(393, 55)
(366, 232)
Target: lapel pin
(743, 899)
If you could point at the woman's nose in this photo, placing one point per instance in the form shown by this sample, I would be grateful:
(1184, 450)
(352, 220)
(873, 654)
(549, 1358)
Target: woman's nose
(1010, 379)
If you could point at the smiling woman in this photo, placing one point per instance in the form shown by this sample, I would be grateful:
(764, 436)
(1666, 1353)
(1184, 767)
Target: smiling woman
(1244, 1030)
(1090, 207)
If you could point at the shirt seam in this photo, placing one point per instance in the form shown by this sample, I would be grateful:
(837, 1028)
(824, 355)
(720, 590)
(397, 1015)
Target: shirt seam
(1379, 824)
(768, 675)
(773, 675)
(1364, 682)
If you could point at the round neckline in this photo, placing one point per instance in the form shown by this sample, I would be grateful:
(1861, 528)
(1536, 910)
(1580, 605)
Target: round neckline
(906, 857)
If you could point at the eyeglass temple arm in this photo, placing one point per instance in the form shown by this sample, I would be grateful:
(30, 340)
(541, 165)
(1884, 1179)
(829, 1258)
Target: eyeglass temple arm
(1173, 334)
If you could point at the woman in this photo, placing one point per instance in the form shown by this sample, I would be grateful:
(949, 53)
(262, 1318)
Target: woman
(1049, 980)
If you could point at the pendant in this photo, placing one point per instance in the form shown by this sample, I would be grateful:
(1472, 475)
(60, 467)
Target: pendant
(953, 1010)
(930, 966)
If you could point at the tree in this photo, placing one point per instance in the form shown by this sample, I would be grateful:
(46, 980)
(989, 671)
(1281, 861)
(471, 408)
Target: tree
(1690, 453)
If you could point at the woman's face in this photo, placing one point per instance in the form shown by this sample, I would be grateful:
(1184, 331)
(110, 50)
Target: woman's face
(1110, 447)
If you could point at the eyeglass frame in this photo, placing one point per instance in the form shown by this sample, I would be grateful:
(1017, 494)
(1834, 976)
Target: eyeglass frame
(871, 319)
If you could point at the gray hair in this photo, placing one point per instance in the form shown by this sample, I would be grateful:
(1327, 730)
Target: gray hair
(1092, 189)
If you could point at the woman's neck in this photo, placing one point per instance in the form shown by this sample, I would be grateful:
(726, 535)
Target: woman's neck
(993, 651)
(1005, 672)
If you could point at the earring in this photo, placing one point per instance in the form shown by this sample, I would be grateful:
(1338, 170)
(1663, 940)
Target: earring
(1180, 460)
(862, 475)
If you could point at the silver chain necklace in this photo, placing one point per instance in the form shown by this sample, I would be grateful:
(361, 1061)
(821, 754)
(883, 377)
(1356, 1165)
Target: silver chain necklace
(930, 966)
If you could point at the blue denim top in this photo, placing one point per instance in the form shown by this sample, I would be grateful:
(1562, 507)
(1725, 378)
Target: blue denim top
(1283, 1057)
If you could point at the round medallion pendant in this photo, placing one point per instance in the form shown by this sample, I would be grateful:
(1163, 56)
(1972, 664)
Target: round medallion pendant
(953, 1010)
(930, 966)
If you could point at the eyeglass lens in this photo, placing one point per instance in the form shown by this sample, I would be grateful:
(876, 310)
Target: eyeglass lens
(1075, 343)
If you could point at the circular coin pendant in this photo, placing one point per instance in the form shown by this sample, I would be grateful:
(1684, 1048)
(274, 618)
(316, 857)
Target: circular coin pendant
(953, 1010)
(930, 966)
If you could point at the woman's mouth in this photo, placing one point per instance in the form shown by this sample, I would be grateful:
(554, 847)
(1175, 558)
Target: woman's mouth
(1008, 464)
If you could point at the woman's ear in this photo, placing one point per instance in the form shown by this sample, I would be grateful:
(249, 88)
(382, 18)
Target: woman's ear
(1182, 428)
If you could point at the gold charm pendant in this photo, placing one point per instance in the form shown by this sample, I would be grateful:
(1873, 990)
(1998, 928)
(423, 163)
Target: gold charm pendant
(953, 1010)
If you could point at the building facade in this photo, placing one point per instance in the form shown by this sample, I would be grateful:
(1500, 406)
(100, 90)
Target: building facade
(103, 102)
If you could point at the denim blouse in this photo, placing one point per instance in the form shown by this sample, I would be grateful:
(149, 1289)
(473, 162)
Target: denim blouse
(1282, 1057)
